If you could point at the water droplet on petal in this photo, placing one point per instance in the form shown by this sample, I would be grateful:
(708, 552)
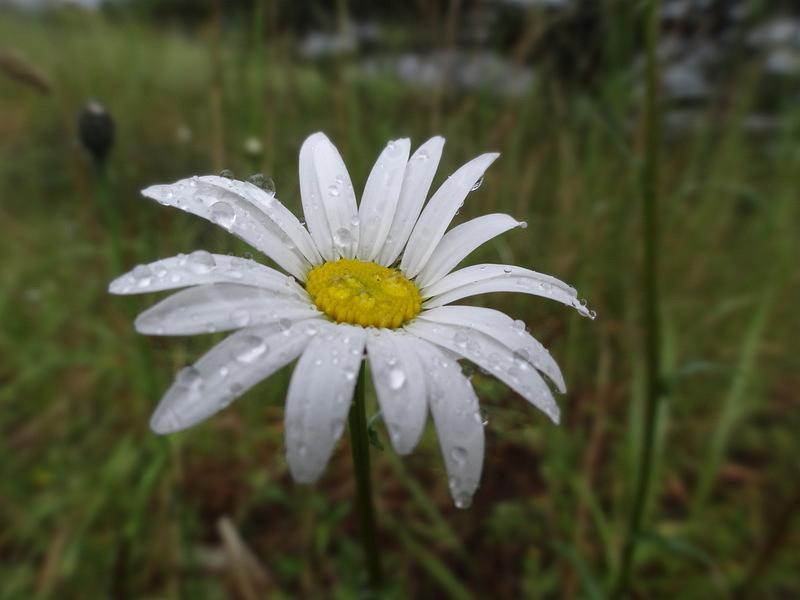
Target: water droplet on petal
(249, 348)
(480, 418)
(522, 356)
(461, 339)
(226, 173)
(459, 455)
(143, 275)
(477, 184)
(262, 181)
(333, 190)
(222, 214)
(396, 379)
(337, 427)
(463, 500)
(191, 379)
(506, 270)
(241, 317)
(342, 237)
(200, 262)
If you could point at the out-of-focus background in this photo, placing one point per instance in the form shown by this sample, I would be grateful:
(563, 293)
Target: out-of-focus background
(93, 505)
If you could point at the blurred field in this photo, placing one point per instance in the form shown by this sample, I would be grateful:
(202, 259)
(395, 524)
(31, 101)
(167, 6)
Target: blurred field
(93, 505)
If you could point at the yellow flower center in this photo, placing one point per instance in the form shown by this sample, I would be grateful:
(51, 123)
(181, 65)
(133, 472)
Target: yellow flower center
(363, 293)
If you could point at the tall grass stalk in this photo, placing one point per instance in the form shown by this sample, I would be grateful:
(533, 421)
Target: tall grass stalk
(650, 294)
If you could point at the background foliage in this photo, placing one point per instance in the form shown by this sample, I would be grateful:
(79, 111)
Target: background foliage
(93, 505)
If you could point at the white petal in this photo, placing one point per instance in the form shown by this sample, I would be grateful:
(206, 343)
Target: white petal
(493, 357)
(481, 279)
(221, 307)
(379, 201)
(460, 241)
(328, 198)
(234, 214)
(459, 424)
(290, 225)
(416, 182)
(400, 386)
(313, 207)
(319, 398)
(502, 328)
(440, 211)
(198, 268)
(227, 371)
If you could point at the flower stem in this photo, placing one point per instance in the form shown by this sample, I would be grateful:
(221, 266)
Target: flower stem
(650, 292)
(359, 443)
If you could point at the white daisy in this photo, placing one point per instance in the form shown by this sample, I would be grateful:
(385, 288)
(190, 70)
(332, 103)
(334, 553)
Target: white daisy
(372, 281)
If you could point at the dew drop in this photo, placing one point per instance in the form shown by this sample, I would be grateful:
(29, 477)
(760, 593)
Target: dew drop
(396, 379)
(342, 237)
(480, 418)
(143, 275)
(223, 214)
(226, 173)
(200, 262)
(521, 356)
(461, 339)
(519, 325)
(463, 500)
(477, 184)
(333, 190)
(241, 317)
(190, 378)
(459, 455)
(506, 270)
(250, 348)
(262, 181)
(284, 324)
(337, 427)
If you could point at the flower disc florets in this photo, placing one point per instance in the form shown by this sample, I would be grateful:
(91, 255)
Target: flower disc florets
(363, 293)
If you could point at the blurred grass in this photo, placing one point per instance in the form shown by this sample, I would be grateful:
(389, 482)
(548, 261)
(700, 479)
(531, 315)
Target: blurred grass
(93, 505)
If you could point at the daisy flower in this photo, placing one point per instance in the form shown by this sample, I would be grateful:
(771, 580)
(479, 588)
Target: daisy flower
(374, 280)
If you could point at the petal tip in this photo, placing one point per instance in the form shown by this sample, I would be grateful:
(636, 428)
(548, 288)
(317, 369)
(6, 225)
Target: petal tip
(163, 422)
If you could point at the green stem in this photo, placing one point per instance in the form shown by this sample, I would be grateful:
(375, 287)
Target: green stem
(650, 290)
(359, 442)
(111, 216)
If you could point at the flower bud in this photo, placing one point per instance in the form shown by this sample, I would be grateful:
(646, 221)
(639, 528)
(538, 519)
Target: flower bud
(96, 131)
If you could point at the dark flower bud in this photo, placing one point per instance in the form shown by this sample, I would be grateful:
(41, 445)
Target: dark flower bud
(96, 131)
